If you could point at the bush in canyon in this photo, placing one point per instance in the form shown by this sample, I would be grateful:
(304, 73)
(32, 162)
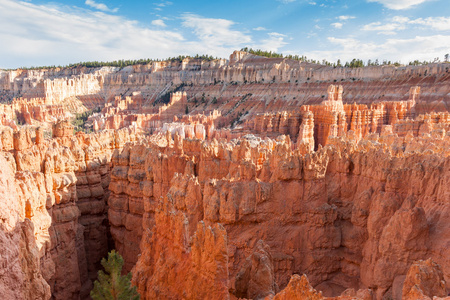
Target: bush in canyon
(112, 285)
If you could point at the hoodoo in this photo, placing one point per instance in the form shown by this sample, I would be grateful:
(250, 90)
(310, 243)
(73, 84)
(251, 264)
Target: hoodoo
(247, 178)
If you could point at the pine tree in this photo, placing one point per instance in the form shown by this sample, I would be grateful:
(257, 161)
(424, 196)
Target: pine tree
(113, 286)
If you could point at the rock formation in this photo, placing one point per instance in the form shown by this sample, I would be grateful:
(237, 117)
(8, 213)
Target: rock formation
(60, 184)
(424, 280)
(244, 83)
(21, 275)
(254, 178)
(344, 206)
(256, 279)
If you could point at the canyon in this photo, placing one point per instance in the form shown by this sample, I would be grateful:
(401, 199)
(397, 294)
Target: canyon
(247, 178)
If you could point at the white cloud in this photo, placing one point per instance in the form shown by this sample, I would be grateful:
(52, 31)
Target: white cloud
(400, 19)
(218, 34)
(276, 34)
(260, 28)
(378, 26)
(100, 6)
(437, 23)
(345, 18)
(399, 4)
(274, 41)
(404, 50)
(311, 35)
(47, 35)
(337, 25)
(312, 3)
(387, 33)
(286, 1)
(215, 32)
(159, 23)
(163, 4)
(398, 23)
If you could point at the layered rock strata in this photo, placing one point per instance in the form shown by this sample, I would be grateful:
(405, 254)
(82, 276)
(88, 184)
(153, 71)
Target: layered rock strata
(284, 75)
(246, 83)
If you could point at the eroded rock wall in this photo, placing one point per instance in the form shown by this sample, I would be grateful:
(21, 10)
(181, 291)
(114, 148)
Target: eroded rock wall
(183, 258)
(21, 277)
(62, 191)
(273, 84)
(344, 215)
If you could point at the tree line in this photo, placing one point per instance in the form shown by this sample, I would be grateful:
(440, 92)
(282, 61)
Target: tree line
(121, 63)
(354, 63)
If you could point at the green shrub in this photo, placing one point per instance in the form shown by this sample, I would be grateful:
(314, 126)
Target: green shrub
(112, 285)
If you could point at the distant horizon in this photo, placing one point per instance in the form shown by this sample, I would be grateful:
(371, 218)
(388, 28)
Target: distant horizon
(40, 33)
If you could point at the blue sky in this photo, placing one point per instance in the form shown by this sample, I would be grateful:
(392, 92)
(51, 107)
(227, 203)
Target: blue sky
(40, 32)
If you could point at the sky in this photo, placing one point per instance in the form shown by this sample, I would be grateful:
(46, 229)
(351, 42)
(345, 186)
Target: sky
(60, 32)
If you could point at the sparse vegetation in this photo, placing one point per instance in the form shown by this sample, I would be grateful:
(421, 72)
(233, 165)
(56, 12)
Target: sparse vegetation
(48, 134)
(165, 98)
(121, 63)
(179, 58)
(260, 52)
(236, 120)
(354, 63)
(79, 123)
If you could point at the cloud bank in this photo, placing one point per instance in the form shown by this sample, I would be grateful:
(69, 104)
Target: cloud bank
(399, 4)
